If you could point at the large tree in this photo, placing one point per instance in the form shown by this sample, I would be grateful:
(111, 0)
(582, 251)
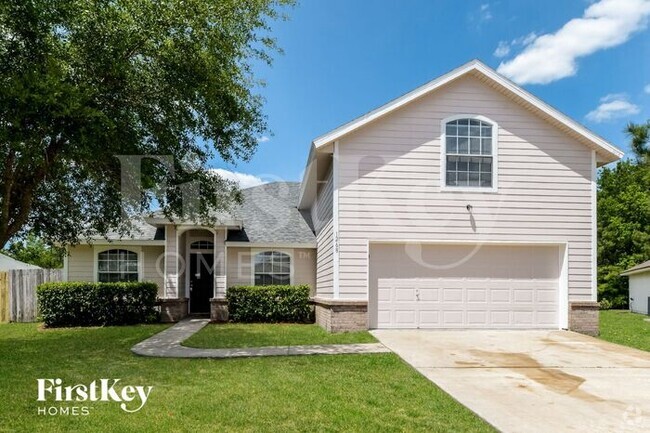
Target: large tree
(624, 218)
(83, 82)
(36, 252)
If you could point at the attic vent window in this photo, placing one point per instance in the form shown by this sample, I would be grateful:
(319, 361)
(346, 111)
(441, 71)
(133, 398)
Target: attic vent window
(468, 153)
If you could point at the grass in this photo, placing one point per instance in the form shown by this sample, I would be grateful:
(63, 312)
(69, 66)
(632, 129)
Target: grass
(373, 393)
(623, 327)
(261, 334)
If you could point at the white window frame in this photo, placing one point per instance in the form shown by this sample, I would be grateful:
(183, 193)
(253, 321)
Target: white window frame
(256, 251)
(133, 249)
(443, 155)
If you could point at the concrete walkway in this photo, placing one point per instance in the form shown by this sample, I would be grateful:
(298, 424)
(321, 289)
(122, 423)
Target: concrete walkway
(167, 344)
(534, 381)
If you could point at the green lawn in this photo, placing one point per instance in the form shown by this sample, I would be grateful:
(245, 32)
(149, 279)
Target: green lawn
(623, 327)
(260, 335)
(314, 393)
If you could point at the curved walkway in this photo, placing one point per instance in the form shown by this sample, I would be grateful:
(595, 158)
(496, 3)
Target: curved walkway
(167, 344)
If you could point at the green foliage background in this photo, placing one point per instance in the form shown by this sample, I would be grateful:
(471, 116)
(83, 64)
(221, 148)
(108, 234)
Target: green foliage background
(623, 219)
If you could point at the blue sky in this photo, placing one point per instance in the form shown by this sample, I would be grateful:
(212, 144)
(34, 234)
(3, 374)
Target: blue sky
(343, 58)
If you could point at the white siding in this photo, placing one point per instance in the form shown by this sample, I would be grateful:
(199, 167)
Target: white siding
(239, 271)
(81, 263)
(153, 265)
(304, 268)
(324, 262)
(389, 185)
(639, 292)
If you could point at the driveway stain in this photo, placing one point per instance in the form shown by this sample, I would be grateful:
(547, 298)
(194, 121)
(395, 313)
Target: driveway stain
(551, 378)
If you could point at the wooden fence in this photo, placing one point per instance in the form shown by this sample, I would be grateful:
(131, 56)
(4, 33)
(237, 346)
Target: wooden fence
(18, 292)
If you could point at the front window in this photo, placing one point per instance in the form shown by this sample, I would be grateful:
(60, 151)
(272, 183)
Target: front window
(117, 265)
(202, 245)
(272, 267)
(468, 150)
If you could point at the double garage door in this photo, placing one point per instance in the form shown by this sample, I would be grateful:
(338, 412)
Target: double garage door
(464, 286)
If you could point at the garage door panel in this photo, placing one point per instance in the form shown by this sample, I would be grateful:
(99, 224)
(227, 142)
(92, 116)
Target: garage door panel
(523, 295)
(452, 318)
(477, 318)
(500, 318)
(429, 318)
(428, 300)
(452, 294)
(404, 294)
(477, 296)
(405, 317)
(429, 294)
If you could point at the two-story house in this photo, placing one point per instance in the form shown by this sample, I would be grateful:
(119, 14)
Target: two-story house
(465, 203)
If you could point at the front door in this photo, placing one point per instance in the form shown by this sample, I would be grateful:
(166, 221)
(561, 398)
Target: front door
(201, 282)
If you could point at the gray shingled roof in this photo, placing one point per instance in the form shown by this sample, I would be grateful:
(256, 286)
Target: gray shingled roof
(639, 267)
(141, 232)
(269, 215)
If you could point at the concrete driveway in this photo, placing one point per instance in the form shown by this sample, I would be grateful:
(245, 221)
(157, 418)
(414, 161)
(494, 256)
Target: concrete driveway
(534, 381)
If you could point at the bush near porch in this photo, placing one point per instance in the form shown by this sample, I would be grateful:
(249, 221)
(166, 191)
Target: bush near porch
(269, 304)
(69, 304)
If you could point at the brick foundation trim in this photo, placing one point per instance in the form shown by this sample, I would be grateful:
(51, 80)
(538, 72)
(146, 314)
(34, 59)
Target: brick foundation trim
(219, 310)
(172, 309)
(341, 315)
(584, 316)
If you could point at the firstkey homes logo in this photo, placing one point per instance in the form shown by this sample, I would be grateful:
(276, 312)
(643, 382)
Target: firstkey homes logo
(130, 398)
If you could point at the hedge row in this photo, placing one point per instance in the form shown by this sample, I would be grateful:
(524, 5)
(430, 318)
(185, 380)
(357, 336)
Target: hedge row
(269, 304)
(97, 304)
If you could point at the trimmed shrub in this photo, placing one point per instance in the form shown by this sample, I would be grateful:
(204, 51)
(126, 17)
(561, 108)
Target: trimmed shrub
(269, 304)
(97, 304)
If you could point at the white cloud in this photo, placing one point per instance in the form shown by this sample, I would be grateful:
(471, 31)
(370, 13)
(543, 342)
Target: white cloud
(553, 56)
(504, 47)
(502, 50)
(263, 139)
(243, 179)
(647, 88)
(611, 107)
(484, 13)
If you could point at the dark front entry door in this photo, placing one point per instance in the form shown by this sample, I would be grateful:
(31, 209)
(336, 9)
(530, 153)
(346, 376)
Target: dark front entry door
(201, 282)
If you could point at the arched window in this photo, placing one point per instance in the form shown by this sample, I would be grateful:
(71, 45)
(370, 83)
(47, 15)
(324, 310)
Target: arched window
(202, 245)
(272, 267)
(117, 265)
(469, 153)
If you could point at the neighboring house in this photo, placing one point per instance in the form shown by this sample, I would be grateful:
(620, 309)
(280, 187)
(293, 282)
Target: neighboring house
(466, 203)
(8, 264)
(639, 278)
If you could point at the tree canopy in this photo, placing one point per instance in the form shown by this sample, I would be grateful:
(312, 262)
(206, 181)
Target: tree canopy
(623, 218)
(34, 251)
(85, 81)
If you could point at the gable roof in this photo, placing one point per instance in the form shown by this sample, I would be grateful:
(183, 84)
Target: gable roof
(606, 151)
(9, 263)
(645, 266)
(270, 216)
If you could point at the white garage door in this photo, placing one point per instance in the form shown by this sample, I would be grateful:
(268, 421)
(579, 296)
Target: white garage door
(464, 287)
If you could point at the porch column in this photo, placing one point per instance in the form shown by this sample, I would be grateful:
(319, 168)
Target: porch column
(172, 307)
(220, 283)
(171, 262)
(218, 303)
